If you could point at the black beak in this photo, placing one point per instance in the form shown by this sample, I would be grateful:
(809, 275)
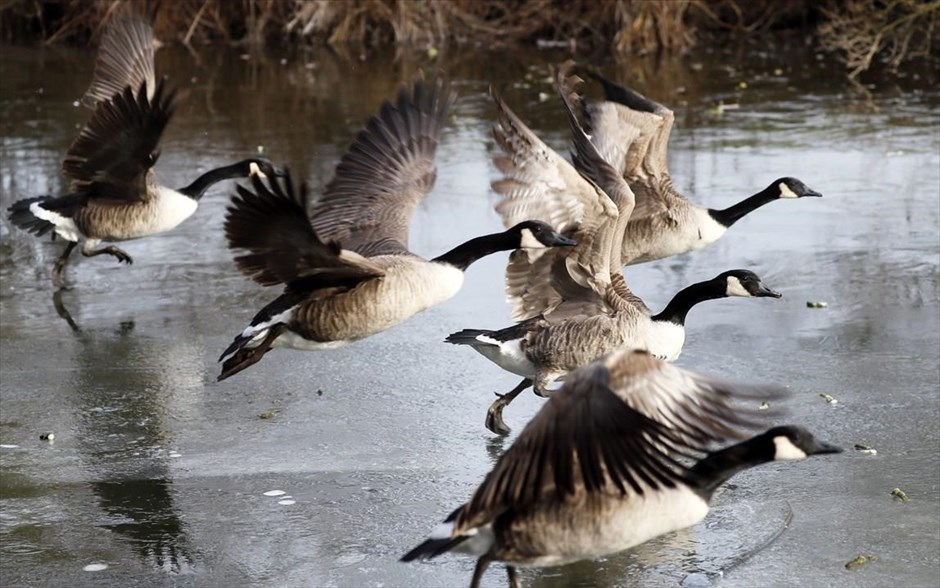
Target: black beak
(764, 291)
(811, 192)
(823, 447)
(559, 240)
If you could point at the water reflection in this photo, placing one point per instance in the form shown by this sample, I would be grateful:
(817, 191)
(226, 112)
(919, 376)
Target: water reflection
(125, 392)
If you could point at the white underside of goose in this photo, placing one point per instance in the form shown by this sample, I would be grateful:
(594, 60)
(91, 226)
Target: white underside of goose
(171, 209)
(507, 355)
(625, 524)
(665, 340)
(479, 539)
(64, 226)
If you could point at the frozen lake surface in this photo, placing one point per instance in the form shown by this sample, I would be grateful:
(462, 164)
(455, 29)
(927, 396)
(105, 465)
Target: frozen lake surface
(159, 476)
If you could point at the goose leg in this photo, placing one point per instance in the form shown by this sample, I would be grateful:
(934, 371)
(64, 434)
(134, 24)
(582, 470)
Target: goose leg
(64, 312)
(478, 571)
(121, 255)
(513, 577)
(59, 265)
(494, 415)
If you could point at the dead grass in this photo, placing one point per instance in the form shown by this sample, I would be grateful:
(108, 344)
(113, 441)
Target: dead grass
(860, 30)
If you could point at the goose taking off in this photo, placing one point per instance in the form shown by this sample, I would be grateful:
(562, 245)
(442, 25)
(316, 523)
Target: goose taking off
(605, 465)
(573, 303)
(366, 210)
(631, 132)
(114, 194)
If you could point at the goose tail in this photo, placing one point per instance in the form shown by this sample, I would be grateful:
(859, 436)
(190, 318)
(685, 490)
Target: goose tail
(467, 337)
(22, 215)
(242, 354)
(434, 547)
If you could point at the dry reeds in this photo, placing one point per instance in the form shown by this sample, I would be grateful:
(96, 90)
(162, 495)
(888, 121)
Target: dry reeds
(858, 29)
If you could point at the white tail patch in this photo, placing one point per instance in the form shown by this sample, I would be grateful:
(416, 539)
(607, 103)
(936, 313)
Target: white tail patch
(786, 450)
(64, 226)
(736, 288)
(507, 355)
(785, 191)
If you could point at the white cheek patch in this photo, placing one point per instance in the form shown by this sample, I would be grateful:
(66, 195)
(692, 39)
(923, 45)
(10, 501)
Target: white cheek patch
(254, 170)
(735, 288)
(785, 191)
(786, 450)
(528, 241)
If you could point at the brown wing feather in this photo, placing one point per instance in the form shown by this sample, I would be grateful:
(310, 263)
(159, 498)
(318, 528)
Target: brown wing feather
(632, 133)
(270, 222)
(112, 156)
(125, 58)
(385, 173)
(594, 436)
(539, 184)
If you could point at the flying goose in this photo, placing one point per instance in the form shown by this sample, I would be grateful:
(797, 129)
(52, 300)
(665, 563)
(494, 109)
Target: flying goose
(631, 132)
(114, 194)
(605, 465)
(573, 304)
(365, 210)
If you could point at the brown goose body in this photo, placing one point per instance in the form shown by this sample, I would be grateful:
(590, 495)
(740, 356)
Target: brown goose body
(409, 285)
(631, 133)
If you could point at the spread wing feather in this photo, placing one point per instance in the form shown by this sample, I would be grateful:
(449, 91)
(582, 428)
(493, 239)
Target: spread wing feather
(386, 172)
(270, 222)
(113, 155)
(125, 58)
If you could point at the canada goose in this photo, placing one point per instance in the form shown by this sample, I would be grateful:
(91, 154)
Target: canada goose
(631, 132)
(114, 193)
(365, 209)
(603, 466)
(574, 304)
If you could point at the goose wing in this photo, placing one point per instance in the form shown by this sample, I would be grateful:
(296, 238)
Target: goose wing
(113, 155)
(539, 184)
(632, 133)
(386, 172)
(270, 223)
(589, 162)
(125, 58)
(593, 435)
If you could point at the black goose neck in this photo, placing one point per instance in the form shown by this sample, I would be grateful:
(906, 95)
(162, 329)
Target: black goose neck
(213, 176)
(685, 299)
(466, 253)
(733, 214)
(717, 468)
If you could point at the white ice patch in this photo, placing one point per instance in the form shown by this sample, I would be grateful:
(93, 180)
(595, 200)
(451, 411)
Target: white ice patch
(736, 288)
(95, 567)
(786, 450)
(785, 191)
(275, 493)
(286, 502)
(64, 226)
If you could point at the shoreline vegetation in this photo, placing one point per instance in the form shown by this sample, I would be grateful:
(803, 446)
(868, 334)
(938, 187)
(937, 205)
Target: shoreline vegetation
(861, 32)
